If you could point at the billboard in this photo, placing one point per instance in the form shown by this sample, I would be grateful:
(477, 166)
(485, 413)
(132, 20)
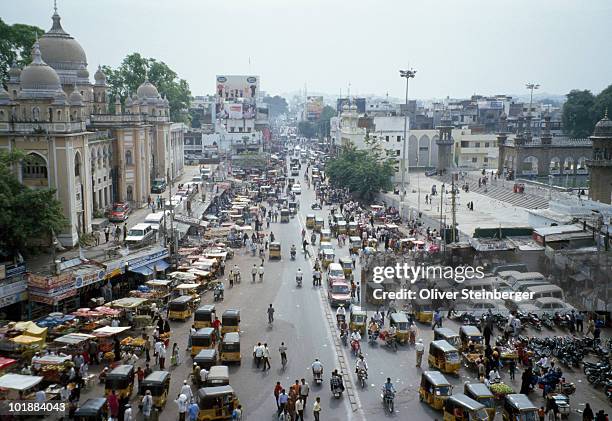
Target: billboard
(234, 110)
(231, 87)
(314, 107)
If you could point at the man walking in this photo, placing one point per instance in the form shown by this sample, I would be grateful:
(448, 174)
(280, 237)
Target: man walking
(266, 357)
(304, 391)
(106, 233)
(420, 349)
(125, 230)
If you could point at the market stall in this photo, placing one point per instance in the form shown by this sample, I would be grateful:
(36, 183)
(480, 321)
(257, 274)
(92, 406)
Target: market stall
(18, 386)
(107, 336)
(91, 319)
(50, 367)
(136, 310)
(7, 364)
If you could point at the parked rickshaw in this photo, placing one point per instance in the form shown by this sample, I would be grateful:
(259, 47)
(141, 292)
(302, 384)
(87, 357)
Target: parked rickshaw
(355, 244)
(274, 250)
(444, 357)
(180, 308)
(423, 310)
(310, 221)
(284, 215)
(202, 339)
(518, 407)
(120, 379)
(341, 227)
(230, 348)
(158, 382)
(448, 335)
(204, 316)
(216, 403)
(206, 358)
(319, 223)
(347, 267)
(470, 334)
(328, 257)
(218, 375)
(481, 393)
(230, 321)
(325, 234)
(94, 409)
(400, 321)
(358, 320)
(434, 389)
(353, 228)
(459, 407)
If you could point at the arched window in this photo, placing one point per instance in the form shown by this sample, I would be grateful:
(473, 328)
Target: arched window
(59, 115)
(130, 193)
(34, 166)
(77, 164)
(35, 114)
(128, 157)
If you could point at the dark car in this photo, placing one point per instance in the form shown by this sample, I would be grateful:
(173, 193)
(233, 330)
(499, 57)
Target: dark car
(119, 212)
(159, 185)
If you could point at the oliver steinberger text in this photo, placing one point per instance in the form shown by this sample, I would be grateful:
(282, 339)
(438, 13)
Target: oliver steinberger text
(463, 294)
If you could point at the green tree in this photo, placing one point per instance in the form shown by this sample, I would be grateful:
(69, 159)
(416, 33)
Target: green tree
(16, 45)
(578, 118)
(603, 102)
(27, 214)
(307, 129)
(277, 105)
(326, 114)
(126, 79)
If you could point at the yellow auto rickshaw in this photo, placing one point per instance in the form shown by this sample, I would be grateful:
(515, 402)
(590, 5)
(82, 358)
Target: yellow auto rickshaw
(347, 267)
(94, 409)
(202, 339)
(423, 310)
(230, 348)
(206, 358)
(319, 223)
(121, 380)
(204, 316)
(158, 382)
(471, 334)
(341, 227)
(230, 321)
(355, 244)
(358, 320)
(444, 357)
(274, 250)
(462, 408)
(518, 407)
(448, 335)
(325, 234)
(216, 403)
(218, 375)
(353, 228)
(310, 221)
(434, 389)
(328, 257)
(481, 393)
(284, 215)
(400, 321)
(180, 308)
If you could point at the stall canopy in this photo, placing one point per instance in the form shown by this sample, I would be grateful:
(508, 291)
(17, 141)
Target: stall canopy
(158, 283)
(128, 302)
(6, 363)
(31, 329)
(149, 269)
(183, 276)
(51, 360)
(187, 286)
(109, 330)
(19, 381)
(28, 340)
(74, 338)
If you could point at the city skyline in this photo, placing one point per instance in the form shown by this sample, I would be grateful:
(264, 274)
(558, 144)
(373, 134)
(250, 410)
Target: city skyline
(331, 46)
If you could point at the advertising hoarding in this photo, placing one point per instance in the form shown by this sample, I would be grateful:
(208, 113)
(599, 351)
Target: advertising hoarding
(314, 107)
(230, 87)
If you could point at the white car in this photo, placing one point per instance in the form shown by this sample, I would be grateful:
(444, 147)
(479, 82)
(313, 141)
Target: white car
(478, 308)
(296, 188)
(543, 305)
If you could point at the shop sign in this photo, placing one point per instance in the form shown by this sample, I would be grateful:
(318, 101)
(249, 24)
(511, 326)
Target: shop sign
(49, 282)
(12, 299)
(141, 261)
(89, 278)
(52, 300)
(13, 289)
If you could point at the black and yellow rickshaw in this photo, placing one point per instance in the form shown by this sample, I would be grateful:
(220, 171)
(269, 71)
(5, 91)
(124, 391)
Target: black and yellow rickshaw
(284, 215)
(518, 407)
(218, 375)
(459, 407)
(328, 257)
(481, 393)
(355, 244)
(230, 321)
(319, 223)
(274, 250)
(293, 207)
(326, 234)
(471, 334)
(423, 310)
(158, 382)
(206, 358)
(94, 409)
(359, 319)
(310, 221)
(374, 294)
(347, 267)
(202, 339)
(353, 228)
(180, 308)
(341, 227)
(216, 403)
(121, 380)
(204, 316)
(434, 389)
(444, 357)
(230, 348)
(448, 335)
(400, 321)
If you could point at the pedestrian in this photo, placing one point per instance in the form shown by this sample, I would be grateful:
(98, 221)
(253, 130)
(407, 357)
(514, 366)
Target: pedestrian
(580, 322)
(299, 408)
(193, 411)
(419, 348)
(282, 402)
(601, 416)
(266, 357)
(512, 368)
(162, 355)
(112, 402)
(127, 415)
(186, 390)
(258, 354)
(231, 278)
(237, 413)
(254, 272)
(304, 391)
(175, 357)
(587, 414)
(106, 233)
(222, 266)
(139, 377)
(147, 405)
(316, 408)
(261, 273)
(277, 391)
(96, 236)
(541, 414)
(437, 317)
(182, 403)
(125, 231)
(117, 233)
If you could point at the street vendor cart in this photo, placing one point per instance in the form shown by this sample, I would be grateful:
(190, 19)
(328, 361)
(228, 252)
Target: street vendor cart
(19, 386)
(135, 310)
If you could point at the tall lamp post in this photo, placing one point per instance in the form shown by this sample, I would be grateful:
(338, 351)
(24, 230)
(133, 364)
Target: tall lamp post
(531, 87)
(407, 74)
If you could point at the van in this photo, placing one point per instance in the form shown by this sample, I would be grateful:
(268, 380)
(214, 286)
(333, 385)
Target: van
(156, 220)
(526, 276)
(140, 234)
(541, 291)
(488, 284)
(518, 267)
(521, 286)
(196, 179)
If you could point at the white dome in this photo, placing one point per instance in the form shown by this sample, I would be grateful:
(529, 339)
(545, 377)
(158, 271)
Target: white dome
(38, 76)
(147, 90)
(75, 97)
(60, 50)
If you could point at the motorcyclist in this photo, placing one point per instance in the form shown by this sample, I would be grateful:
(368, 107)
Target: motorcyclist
(340, 314)
(361, 364)
(388, 388)
(336, 381)
(392, 332)
(355, 336)
(343, 327)
(221, 288)
(299, 274)
(317, 367)
(313, 238)
(304, 244)
(293, 250)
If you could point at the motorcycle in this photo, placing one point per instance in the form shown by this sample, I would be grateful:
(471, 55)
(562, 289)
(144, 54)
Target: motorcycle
(391, 342)
(298, 281)
(547, 321)
(317, 377)
(292, 254)
(218, 295)
(534, 321)
(388, 397)
(362, 375)
(344, 337)
(336, 388)
(372, 337)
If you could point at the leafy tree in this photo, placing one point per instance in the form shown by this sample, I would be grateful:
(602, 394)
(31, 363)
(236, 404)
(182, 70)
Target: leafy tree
(603, 102)
(126, 79)
(276, 104)
(326, 114)
(27, 214)
(16, 43)
(578, 118)
(307, 129)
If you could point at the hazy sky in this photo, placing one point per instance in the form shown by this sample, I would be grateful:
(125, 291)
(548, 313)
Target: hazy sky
(459, 47)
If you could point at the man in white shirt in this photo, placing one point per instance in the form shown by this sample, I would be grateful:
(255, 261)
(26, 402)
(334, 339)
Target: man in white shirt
(266, 357)
(186, 390)
(420, 349)
(203, 376)
(258, 351)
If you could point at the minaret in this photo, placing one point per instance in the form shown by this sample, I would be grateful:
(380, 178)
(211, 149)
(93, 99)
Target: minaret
(600, 165)
(445, 144)
(502, 137)
(99, 90)
(546, 136)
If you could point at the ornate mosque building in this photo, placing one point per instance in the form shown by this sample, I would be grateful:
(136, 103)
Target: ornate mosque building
(52, 112)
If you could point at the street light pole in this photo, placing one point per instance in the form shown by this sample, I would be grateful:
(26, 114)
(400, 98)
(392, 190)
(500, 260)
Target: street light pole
(407, 74)
(531, 87)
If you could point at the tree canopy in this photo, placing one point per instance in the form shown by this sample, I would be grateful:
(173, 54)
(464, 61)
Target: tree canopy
(126, 79)
(583, 110)
(320, 127)
(16, 43)
(27, 214)
(276, 104)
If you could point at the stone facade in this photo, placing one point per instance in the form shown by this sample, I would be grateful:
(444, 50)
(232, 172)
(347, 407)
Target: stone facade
(600, 164)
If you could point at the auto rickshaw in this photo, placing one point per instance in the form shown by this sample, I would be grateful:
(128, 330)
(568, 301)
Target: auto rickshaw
(372, 242)
(341, 227)
(328, 257)
(518, 407)
(319, 223)
(218, 375)
(448, 335)
(481, 393)
(353, 228)
(310, 221)
(94, 409)
(202, 339)
(358, 320)
(293, 207)
(216, 403)
(325, 234)
(180, 308)
(462, 408)
(284, 215)
(355, 244)
(206, 358)
(444, 357)
(470, 334)
(423, 310)
(203, 316)
(230, 348)
(274, 250)
(400, 321)
(158, 382)
(121, 380)
(434, 389)
(347, 267)
(230, 321)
